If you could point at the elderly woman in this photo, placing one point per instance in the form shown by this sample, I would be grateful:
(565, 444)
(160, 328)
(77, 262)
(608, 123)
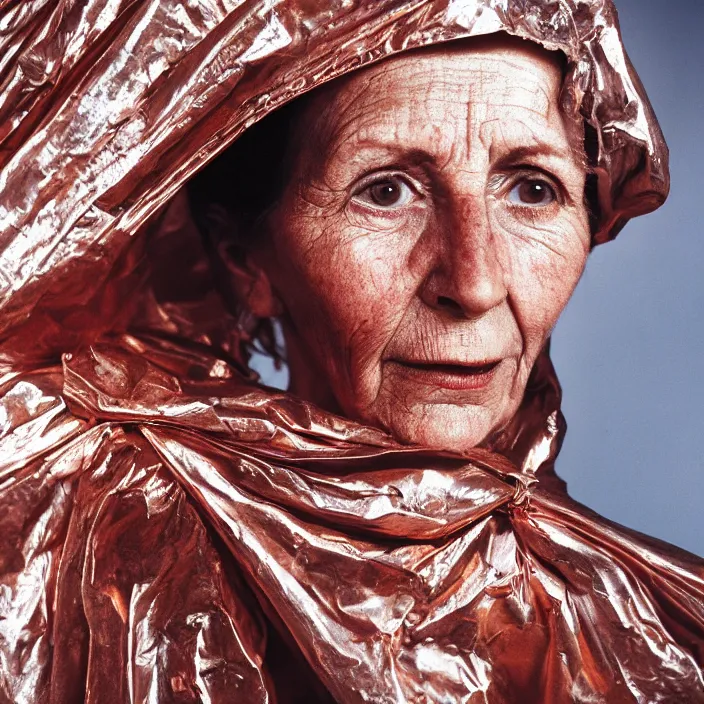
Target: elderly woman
(415, 214)
(428, 226)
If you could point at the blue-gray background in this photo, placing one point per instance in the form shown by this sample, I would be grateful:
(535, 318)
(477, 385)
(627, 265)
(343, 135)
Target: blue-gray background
(629, 348)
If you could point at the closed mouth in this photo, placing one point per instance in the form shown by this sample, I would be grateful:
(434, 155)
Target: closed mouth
(451, 368)
(448, 375)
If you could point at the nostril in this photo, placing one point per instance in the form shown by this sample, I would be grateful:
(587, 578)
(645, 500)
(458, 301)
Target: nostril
(450, 305)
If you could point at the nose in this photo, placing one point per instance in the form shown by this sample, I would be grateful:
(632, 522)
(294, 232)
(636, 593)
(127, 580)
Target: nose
(468, 275)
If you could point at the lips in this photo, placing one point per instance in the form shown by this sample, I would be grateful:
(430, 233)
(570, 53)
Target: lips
(448, 375)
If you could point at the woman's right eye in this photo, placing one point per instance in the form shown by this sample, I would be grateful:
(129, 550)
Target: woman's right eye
(388, 192)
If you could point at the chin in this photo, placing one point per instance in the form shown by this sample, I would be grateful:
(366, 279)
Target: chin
(443, 426)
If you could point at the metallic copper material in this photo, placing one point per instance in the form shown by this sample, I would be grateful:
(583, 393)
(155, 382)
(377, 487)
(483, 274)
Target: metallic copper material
(172, 531)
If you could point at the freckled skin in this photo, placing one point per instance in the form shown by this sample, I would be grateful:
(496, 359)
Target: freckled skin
(460, 268)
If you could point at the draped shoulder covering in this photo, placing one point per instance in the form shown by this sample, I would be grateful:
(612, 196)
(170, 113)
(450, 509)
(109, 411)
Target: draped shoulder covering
(172, 530)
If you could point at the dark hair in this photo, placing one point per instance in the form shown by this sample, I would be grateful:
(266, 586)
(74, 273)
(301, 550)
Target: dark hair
(245, 182)
(229, 200)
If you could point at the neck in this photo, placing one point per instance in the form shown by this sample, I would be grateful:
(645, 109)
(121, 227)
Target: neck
(306, 379)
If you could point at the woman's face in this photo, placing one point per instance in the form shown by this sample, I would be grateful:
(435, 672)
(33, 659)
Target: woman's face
(432, 231)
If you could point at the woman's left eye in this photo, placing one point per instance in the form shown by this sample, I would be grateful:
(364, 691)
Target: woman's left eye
(387, 192)
(532, 192)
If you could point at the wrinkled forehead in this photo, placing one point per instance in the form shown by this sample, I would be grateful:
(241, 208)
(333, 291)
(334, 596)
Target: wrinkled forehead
(447, 94)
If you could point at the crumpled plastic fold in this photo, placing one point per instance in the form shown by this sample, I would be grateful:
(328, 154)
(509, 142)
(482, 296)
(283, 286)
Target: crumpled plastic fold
(172, 534)
(172, 530)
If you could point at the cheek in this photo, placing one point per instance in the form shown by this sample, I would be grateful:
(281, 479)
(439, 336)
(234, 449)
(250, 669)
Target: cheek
(545, 262)
(346, 287)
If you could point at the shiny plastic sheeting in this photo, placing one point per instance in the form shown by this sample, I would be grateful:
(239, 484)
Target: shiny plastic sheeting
(135, 553)
(173, 532)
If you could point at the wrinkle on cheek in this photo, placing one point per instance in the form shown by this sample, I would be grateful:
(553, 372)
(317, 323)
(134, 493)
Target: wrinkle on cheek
(316, 244)
(359, 310)
(314, 235)
(548, 243)
(317, 200)
(561, 240)
(540, 299)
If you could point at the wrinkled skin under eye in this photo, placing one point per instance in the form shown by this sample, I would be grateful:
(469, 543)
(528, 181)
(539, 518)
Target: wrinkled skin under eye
(435, 231)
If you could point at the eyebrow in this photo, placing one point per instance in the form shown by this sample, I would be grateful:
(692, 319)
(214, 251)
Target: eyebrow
(516, 155)
(390, 151)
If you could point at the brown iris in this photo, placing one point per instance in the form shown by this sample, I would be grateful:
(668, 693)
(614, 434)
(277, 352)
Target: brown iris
(535, 192)
(385, 193)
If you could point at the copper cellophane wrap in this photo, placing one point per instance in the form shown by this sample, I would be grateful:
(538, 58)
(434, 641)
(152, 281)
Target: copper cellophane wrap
(172, 531)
